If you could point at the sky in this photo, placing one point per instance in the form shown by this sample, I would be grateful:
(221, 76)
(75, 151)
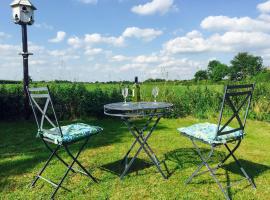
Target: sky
(116, 40)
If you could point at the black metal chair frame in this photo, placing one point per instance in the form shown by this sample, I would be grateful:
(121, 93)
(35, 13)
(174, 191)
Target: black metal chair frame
(230, 91)
(44, 93)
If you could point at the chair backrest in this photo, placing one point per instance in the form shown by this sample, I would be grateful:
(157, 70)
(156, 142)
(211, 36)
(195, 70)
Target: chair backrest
(237, 98)
(41, 103)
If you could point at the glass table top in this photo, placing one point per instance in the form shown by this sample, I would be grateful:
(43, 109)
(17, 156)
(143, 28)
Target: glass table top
(133, 106)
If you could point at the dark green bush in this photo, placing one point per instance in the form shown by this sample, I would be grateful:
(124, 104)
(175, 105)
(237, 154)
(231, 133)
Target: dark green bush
(11, 102)
(76, 100)
(71, 101)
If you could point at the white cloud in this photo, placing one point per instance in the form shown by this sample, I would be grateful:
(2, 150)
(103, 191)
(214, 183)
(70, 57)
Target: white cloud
(174, 68)
(181, 56)
(264, 7)
(186, 44)
(146, 59)
(242, 40)
(92, 51)
(57, 53)
(59, 37)
(194, 34)
(97, 38)
(264, 17)
(147, 34)
(7, 49)
(67, 54)
(37, 62)
(153, 7)
(75, 42)
(119, 58)
(59, 64)
(228, 42)
(36, 48)
(225, 23)
(88, 1)
(4, 35)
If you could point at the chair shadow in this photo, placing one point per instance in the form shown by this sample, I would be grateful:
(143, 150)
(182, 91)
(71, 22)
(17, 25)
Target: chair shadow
(22, 141)
(253, 169)
(117, 167)
(187, 157)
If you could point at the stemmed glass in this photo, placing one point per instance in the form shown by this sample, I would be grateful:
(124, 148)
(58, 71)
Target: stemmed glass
(125, 94)
(155, 93)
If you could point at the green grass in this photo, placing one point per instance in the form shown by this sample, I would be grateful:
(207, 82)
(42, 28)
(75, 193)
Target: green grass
(22, 155)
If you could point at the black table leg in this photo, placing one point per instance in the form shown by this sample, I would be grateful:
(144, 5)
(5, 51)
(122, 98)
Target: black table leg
(142, 140)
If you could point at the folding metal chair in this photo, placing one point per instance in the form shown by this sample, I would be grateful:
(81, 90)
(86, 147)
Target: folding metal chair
(237, 98)
(61, 136)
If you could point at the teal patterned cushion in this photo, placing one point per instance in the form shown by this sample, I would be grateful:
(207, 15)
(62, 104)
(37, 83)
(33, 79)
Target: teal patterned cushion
(71, 133)
(207, 133)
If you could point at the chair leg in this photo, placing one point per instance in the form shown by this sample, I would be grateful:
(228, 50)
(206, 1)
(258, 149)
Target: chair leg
(46, 164)
(229, 155)
(59, 158)
(241, 168)
(205, 162)
(194, 173)
(74, 160)
(63, 178)
(217, 181)
(199, 167)
(81, 166)
(220, 164)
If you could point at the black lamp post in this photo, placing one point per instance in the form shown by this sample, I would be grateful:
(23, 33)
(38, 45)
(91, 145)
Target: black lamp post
(23, 14)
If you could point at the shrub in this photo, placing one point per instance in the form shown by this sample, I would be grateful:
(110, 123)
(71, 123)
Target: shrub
(78, 100)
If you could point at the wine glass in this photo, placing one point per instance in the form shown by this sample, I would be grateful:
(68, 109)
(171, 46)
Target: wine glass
(125, 94)
(155, 93)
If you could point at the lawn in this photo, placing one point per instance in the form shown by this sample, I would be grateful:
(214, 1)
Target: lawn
(22, 155)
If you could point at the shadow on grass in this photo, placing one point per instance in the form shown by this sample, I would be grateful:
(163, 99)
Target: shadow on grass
(118, 166)
(188, 157)
(252, 168)
(21, 151)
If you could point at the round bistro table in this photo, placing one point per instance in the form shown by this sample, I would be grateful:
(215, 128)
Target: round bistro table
(153, 111)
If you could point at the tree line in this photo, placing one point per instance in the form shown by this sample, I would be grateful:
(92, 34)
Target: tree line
(242, 66)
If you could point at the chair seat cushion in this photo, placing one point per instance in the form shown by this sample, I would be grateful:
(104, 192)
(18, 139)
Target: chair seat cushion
(206, 132)
(71, 133)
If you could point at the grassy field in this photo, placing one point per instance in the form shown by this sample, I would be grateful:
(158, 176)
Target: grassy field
(22, 155)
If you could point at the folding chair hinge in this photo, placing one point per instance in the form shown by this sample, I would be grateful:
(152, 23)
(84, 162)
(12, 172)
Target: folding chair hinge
(39, 133)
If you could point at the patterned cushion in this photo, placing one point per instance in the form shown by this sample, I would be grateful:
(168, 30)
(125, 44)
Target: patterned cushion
(207, 133)
(71, 133)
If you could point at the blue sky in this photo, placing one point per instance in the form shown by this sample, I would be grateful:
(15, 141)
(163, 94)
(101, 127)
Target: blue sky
(100, 40)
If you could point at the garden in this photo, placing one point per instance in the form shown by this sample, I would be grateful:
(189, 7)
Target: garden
(22, 154)
(194, 124)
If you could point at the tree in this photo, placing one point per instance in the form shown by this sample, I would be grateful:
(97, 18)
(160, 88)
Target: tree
(245, 65)
(201, 75)
(216, 70)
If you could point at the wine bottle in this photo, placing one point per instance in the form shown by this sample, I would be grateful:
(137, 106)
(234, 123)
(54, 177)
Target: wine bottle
(136, 91)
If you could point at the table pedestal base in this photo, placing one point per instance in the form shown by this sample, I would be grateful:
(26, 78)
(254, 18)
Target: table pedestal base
(142, 138)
